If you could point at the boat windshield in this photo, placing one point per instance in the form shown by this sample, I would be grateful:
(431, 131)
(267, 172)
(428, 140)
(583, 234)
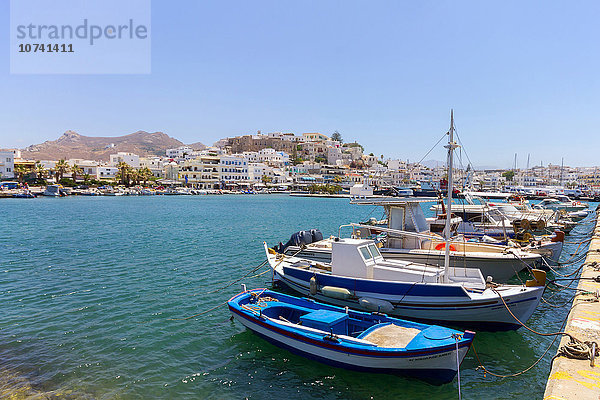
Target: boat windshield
(365, 253)
(374, 250)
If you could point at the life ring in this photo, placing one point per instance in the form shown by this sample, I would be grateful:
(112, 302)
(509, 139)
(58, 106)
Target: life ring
(441, 246)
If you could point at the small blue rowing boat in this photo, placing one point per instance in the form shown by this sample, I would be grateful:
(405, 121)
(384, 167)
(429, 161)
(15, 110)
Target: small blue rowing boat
(349, 339)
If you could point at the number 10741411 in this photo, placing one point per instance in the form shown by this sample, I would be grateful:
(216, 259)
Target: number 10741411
(45, 48)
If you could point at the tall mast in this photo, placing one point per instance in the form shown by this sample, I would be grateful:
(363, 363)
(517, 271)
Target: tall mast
(526, 182)
(451, 146)
(562, 165)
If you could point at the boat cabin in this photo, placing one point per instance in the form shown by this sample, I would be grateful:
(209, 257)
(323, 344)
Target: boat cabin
(407, 225)
(359, 258)
(438, 224)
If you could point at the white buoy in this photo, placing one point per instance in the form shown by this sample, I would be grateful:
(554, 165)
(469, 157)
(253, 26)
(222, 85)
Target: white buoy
(336, 292)
(379, 305)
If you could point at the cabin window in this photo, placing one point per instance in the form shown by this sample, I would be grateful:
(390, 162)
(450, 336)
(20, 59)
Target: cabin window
(365, 253)
(374, 250)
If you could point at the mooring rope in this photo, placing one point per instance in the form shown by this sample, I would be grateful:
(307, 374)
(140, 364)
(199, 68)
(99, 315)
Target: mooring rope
(487, 371)
(196, 315)
(526, 265)
(568, 287)
(554, 271)
(528, 328)
(583, 241)
(220, 304)
(578, 350)
(235, 281)
(574, 258)
(556, 336)
(562, 304)
(456, 338)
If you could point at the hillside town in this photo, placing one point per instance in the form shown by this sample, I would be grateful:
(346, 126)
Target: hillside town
(285, 161)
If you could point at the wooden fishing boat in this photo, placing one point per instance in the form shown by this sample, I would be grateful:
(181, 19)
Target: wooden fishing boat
(350, 339)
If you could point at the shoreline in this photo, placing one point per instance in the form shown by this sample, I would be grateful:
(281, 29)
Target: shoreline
(572, 378)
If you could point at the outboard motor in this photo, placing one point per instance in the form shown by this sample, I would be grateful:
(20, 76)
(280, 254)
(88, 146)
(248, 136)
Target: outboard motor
(316, 235)
(300, 238)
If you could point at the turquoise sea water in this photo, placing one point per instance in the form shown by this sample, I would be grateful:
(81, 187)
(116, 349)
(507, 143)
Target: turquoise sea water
(89, 285)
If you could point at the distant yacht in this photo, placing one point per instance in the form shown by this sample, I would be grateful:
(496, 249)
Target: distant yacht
(54, 191)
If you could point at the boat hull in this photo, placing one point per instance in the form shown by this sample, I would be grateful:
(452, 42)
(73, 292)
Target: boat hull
(567, 208)
(417, 367)
(436, 364)
(551, 251)
(423, 302)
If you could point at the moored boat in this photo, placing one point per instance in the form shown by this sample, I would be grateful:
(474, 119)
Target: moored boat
(24, 194)
(54, 191)
(358, 276)
(350, 339)
(561, 202)
(407, 236)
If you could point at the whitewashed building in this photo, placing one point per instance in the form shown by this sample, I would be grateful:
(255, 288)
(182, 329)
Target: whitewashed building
(334, 154)
(233, 170)
(88, 167)
(104, 172)
(7, 162)
(171, 171)
(201, 172)
(256, 171)
(154, 164)
(133, 160)
(179, 152)
(272, 157)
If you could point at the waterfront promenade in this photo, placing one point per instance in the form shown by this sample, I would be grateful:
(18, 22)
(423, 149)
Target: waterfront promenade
(579, 379)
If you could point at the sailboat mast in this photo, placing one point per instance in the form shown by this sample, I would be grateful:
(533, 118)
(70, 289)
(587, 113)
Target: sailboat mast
(562, 166)
(451, 146)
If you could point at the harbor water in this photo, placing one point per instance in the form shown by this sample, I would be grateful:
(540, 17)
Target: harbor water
(95, 292)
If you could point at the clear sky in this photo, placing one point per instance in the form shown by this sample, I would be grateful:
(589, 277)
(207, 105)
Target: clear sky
(522, 76)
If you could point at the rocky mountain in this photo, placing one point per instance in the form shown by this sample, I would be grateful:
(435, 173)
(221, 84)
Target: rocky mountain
(73, 145)
(197, 146)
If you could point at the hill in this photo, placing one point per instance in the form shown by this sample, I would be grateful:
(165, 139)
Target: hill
(73, 145)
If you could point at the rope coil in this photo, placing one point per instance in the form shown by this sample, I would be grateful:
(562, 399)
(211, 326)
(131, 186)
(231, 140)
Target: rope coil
(579, 350)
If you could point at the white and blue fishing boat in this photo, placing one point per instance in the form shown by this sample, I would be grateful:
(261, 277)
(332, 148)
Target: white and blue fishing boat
(354, 340)
(359, 277)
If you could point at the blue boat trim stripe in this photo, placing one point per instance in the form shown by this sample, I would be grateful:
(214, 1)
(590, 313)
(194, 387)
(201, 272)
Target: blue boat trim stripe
(331, 346)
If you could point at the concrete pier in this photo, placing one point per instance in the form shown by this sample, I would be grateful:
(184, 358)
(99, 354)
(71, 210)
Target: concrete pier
(571, 378)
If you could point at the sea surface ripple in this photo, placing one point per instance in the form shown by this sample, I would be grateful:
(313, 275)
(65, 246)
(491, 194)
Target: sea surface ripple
(95, 291)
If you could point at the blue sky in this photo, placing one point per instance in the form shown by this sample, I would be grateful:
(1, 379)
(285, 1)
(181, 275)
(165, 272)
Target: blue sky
(522, 77)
